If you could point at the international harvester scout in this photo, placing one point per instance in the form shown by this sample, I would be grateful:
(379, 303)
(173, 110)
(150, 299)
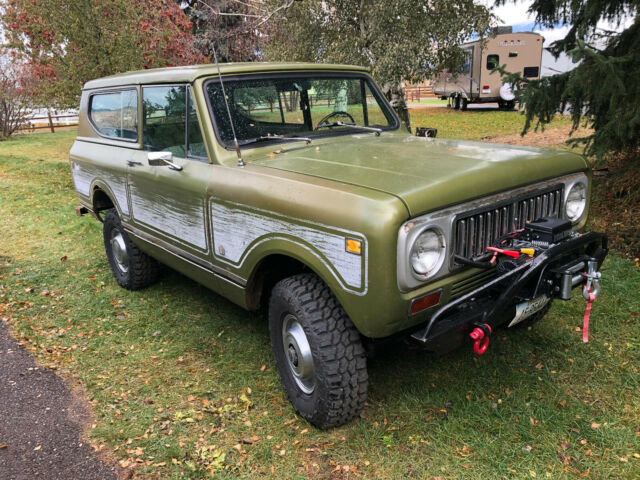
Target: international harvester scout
(291, 186)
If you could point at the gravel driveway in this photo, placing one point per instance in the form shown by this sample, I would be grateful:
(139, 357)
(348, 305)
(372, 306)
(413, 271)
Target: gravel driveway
(41, 423)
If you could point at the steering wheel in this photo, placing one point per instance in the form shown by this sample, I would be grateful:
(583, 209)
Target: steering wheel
(335, 114)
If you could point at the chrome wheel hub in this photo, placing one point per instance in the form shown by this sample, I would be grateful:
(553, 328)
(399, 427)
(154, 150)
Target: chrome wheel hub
(298, 354)
(119, 250)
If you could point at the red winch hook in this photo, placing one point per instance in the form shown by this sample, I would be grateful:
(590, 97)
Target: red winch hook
(478, 334)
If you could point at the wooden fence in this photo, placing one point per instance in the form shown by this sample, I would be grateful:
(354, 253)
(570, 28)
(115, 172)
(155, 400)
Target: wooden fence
(415, 94)
(50, 122)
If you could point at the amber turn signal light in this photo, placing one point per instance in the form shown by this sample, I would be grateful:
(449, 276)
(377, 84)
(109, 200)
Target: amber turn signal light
(422, 303)
(353, 246)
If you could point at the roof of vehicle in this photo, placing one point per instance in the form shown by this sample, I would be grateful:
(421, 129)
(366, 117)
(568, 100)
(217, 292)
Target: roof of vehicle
(499, 35)
(190, 73)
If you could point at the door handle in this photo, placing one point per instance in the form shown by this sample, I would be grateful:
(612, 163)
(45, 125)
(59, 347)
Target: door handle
(133, 163)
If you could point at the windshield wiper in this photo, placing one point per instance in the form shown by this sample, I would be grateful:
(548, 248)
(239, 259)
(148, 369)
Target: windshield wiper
(352, 125)
(280, 138)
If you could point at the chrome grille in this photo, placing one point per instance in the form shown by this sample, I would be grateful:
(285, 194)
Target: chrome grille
(475, 232)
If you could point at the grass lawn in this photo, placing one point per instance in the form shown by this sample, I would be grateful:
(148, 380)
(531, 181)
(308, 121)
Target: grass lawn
(474, 124)
(428, 101)
(182, 383)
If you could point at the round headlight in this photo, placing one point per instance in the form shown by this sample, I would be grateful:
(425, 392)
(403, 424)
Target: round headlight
(427, 252)
(576, 201)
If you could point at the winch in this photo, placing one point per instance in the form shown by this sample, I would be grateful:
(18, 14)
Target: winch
(543, 261)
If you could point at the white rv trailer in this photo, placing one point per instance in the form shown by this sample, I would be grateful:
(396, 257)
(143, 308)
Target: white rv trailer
(476, 83)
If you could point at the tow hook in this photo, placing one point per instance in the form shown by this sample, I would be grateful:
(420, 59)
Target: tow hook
(590, 291)
(480, 335)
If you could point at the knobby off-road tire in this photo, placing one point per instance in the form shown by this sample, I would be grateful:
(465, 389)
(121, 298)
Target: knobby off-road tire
(318, 352)
(132, 268)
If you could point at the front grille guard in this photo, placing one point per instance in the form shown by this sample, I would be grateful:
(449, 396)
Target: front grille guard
(523, 275)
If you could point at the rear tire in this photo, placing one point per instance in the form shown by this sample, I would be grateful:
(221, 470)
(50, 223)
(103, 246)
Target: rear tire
(132, 268)
(318, 352)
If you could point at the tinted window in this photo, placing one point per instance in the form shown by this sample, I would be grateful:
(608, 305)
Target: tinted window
(115, 114)
(492, 61)
(531, 72)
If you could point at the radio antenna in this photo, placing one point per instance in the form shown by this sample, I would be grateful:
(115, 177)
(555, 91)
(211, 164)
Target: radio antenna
(224, 95)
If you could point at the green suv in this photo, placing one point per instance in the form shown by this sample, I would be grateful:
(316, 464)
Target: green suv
(292, 187)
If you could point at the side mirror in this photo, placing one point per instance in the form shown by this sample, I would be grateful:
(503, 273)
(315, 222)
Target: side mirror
(158, 159)
(426, 132)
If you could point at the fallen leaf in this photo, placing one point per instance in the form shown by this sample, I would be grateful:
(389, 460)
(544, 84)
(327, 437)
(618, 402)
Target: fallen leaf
(37, 448)
(539, 366)
(563, 457)
(465, 451)
(564, 445)
(623, 459)
(589, 452)
(63, 258)
(532, 473)
(533, 421)
(595, 426)
(262, 368)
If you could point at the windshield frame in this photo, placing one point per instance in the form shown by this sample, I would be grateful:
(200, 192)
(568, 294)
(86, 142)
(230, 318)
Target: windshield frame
(298, 74)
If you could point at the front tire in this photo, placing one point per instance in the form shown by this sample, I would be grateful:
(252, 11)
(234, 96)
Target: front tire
(318, 352)
(132, 268)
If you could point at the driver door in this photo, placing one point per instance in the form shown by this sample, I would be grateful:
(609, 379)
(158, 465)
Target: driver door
(167, 180)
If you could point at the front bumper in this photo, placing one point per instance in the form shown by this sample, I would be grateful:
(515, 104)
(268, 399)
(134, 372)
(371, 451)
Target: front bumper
(553, 272)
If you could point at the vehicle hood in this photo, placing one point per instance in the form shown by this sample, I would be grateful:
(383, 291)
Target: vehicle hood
(425, 173)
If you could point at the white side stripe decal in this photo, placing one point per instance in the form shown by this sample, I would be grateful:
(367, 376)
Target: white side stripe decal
(237, 231)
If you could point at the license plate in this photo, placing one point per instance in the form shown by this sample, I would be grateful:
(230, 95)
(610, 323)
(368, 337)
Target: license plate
(525, 309)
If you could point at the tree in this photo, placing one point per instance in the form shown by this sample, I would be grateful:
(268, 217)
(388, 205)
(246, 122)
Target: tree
(15, 101)
(67, 42)
(397, 39)
(603, 91)
(235, 28)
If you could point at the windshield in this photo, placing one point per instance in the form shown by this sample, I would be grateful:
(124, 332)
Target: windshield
(296, 105)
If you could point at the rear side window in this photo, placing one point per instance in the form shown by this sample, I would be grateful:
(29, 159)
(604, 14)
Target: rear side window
(493, 61)
(531, 72)
(171, 122)
(115, 114)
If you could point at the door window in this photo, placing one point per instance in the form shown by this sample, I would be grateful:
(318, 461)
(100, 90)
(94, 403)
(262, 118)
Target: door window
(195, 142)
(171, 122)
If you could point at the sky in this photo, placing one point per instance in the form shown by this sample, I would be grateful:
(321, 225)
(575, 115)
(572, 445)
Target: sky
(515, 14)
